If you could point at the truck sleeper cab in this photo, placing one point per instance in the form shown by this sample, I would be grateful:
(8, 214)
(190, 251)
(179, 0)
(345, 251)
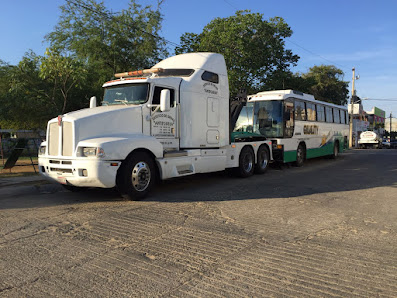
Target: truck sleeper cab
(168, 121)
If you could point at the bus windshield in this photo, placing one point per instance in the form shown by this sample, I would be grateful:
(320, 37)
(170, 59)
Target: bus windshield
(126, 94)
(268, 118)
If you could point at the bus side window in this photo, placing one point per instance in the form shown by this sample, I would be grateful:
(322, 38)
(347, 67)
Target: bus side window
(311, 111)
(342, 117)
(300, 110)
(336, 115)
(320, 113)
(328, 115)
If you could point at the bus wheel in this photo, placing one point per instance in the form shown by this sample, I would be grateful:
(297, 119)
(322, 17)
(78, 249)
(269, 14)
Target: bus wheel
(336, 151)
(300, 156)
(262, 160)
(139, 176)
(246, 163)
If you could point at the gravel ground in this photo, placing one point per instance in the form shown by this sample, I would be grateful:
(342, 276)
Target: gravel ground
(326, 229)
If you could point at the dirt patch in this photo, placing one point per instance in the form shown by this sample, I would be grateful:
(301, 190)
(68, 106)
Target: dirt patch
(22, 168)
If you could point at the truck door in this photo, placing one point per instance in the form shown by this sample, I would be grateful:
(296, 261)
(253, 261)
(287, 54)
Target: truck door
(164, 125)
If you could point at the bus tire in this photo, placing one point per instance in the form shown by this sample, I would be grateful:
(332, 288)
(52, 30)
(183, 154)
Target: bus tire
(246, 164)
(335, 153)
(139, 176)
(262, 162)
(300, 155)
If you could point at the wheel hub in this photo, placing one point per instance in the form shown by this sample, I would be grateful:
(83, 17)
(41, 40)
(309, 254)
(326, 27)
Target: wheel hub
(141, 176)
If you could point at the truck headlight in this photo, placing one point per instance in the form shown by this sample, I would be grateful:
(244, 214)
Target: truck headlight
(42, 150)
(91, 152)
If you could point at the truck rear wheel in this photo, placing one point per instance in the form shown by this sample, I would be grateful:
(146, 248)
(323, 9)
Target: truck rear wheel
(246, 163)
(262, 160)
(139, 176)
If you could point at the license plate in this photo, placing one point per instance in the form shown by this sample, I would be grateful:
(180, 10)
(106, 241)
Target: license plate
(62, 180)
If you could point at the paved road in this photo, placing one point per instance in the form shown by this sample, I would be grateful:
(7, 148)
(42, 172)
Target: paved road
(327, 229)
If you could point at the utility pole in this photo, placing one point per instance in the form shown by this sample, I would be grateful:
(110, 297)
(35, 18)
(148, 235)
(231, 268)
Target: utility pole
(390, 125)
(351, 111)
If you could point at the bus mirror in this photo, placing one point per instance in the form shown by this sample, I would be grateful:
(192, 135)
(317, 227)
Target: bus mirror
(287, 116)
(165, 100)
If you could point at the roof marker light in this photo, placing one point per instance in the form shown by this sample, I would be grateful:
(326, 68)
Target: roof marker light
(138, 72)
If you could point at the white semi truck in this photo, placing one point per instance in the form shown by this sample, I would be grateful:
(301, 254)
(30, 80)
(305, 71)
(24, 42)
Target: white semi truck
(169, 121)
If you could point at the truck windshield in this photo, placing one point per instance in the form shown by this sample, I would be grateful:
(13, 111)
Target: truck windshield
(268, 118)
(126, 94)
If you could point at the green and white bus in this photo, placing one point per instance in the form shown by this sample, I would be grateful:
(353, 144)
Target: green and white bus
(299, 126)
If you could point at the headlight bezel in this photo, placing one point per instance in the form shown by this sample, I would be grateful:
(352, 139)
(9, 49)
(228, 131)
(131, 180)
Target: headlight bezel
(90, 152)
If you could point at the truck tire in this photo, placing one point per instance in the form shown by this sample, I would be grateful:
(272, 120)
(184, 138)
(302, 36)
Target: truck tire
(246, 163)
(139, 176)
(262, 160)
(300, 156)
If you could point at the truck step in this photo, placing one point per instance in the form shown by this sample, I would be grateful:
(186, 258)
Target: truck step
(175, 153)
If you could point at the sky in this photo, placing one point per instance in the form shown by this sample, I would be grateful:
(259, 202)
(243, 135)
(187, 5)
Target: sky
(360, 34)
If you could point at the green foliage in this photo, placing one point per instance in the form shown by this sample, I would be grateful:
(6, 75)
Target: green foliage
(109, 43)
(329, 85)
(88, 45)
(254, 49)
(23, 104)
(65, 74)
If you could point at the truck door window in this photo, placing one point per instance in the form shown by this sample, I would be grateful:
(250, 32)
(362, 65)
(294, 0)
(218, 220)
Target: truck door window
(156, 96)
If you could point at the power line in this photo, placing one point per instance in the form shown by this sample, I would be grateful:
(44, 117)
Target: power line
(231, 4)
(383, 99)
(314, 54)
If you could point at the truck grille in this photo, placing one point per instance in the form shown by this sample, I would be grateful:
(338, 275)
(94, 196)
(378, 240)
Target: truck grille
(66, 131)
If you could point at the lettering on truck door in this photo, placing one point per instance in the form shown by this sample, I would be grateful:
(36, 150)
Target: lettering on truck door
(164, 126)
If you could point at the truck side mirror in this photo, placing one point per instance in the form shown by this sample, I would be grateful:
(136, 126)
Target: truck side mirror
(93, 102)
(165, 100)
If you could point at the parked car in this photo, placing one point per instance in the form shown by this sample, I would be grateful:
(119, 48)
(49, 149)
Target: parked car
(389, 144)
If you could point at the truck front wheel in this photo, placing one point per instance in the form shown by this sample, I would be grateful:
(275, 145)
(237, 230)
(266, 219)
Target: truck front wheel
(139, 176)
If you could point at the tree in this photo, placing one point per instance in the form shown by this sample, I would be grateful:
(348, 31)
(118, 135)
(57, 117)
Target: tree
(254, 49)
(64, 74)
(110, 43)
(328, 84)
(23, 105)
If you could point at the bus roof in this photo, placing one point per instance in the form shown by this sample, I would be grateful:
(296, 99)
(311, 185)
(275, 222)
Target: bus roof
(284, 94)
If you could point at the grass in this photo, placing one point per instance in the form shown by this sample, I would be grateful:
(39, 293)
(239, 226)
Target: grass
(15, 175)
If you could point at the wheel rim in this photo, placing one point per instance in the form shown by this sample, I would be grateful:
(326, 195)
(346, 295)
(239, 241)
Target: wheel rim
(263, 160)
(248, 163)
(141, 176)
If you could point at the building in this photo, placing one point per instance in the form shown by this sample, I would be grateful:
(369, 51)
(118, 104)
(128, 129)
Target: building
(360, 122)
(376, 118)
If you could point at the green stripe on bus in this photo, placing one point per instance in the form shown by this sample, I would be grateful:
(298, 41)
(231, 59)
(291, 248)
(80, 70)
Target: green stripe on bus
(327, 149)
